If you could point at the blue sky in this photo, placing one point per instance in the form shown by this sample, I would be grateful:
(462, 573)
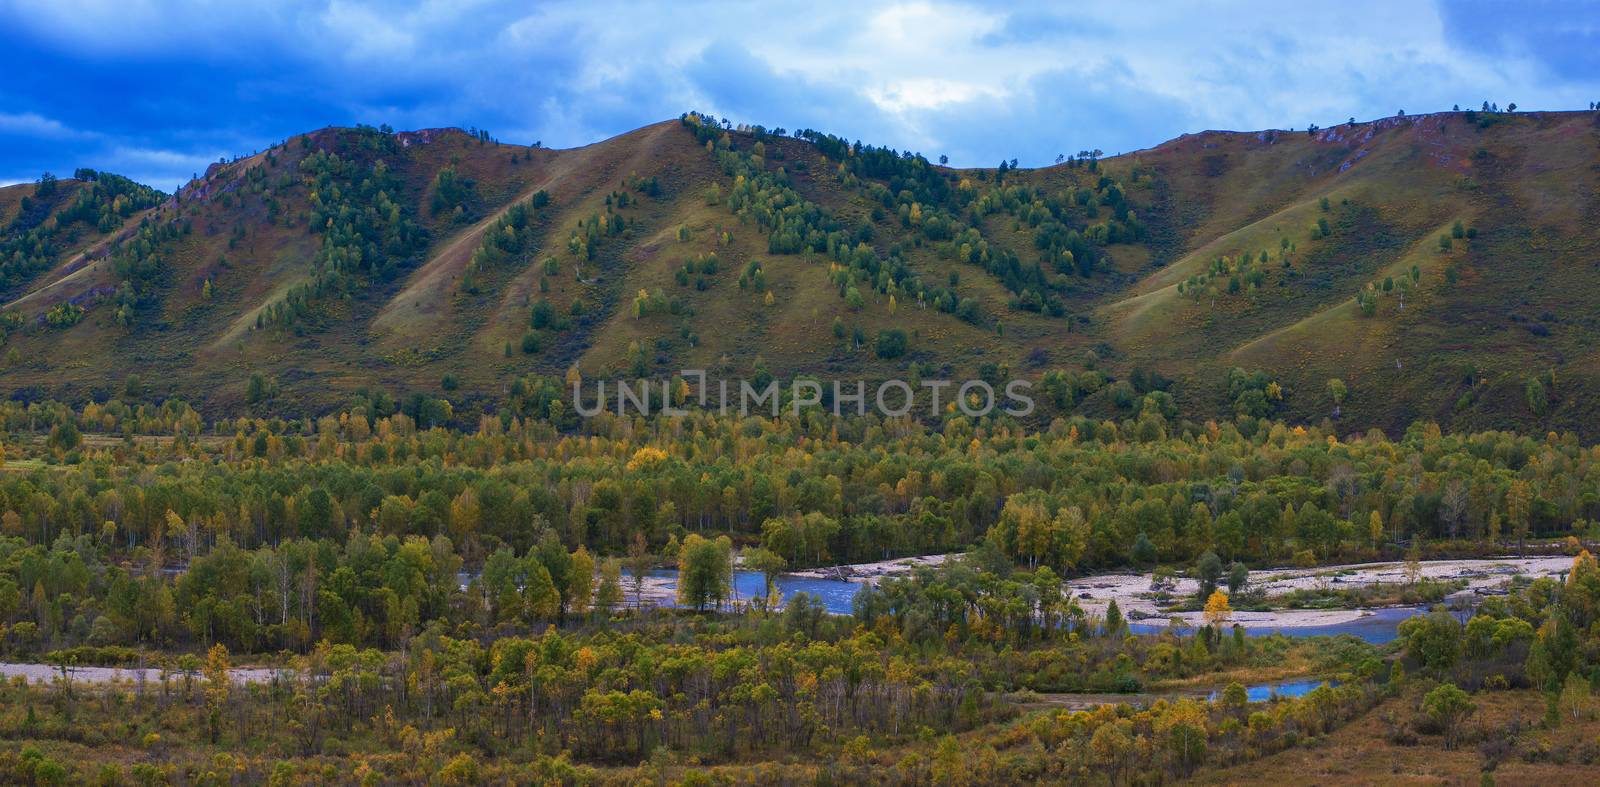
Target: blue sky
(156, 90)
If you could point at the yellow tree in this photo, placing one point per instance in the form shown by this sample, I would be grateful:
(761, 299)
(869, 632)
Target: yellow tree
(1217, 611)
(581, 589)
(217, 686)
(1518, 502)
(465, 515)
(1112, 746)
(176, 526)
(1581, 563)
(1030, 525)
(1583, 589)
(1071, 536)
(950, 766)
(1183, 726)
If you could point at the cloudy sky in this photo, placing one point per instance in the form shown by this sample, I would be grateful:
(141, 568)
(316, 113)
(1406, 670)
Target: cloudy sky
(156, 90)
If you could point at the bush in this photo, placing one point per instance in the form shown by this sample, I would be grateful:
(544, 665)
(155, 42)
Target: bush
(97, 656)
(1446, 707)
(64, 315)
(892, 343)
(543, 315)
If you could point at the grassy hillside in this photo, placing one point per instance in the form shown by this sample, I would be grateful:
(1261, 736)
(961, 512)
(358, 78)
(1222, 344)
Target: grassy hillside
(447, 263)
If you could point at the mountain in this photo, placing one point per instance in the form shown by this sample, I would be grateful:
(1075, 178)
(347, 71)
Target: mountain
(1441, 266)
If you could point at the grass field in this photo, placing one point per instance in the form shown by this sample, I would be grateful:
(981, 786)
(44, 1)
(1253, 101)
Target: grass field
(1503, 743)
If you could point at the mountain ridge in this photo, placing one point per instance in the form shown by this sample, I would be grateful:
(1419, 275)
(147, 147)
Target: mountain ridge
(1436, 264)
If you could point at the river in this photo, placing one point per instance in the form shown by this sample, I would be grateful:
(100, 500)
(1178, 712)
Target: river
(1377, 626)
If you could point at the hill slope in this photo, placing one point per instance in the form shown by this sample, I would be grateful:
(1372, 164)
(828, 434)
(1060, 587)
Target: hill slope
(1442, 266)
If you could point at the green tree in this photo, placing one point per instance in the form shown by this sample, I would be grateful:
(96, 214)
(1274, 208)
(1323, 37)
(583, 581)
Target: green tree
(1336, 392)
(581, 585)
(704, 571)
(1448, 706)
(770, 564)
(1538, 400)
(892, 343)
(1432, 640)
(540, 599)
(1208, 571)
(1577, 704)
(1144, 551)
(608, 596)
(64, 436)
(1114, 622)
(1238, 577)
(639, 562)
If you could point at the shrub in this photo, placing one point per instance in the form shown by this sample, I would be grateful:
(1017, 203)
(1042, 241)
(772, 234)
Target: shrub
(64, 315)
(892, 343)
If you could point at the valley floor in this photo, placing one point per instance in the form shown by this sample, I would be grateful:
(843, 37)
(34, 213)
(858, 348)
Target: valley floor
(1136, 597)
(1502, 739)
(1133, 592)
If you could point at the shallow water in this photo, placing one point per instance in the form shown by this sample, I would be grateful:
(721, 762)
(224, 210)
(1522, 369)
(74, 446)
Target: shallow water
(836, 594)
(1378, 628)
(1287, 689)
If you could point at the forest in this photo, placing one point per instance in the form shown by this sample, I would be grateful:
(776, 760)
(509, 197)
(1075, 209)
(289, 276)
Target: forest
(345, 442)
(451, 605)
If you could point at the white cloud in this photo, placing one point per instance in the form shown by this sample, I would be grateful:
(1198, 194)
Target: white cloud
(919, 68)
(31, 124)
(367, 34)
(148, 157)
(928, 93)
(163, 169)
(978, 80)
